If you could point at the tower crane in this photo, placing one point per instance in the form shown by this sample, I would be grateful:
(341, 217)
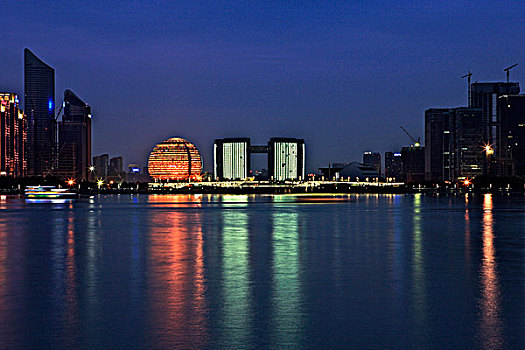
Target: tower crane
(417, 142)
(468, 76)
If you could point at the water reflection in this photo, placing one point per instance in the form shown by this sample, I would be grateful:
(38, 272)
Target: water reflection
(250, 272)
(237, 313)
(287, 293)
(467, 231)
(4, 303)
(71, 305)
(177, 302)
(418, 272)
(490, 295)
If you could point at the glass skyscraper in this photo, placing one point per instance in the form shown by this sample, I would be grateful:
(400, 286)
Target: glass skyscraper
(39, 86)
(74, 150)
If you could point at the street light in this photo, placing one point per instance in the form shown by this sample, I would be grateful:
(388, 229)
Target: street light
(91, 170)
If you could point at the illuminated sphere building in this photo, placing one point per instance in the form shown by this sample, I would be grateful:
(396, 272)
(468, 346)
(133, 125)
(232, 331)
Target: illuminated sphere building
(175, 159)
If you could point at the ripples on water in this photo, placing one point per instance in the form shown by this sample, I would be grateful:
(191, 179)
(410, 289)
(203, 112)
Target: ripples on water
(207, 271)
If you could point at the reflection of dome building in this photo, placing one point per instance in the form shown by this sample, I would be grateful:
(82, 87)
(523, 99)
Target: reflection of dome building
(175, 159)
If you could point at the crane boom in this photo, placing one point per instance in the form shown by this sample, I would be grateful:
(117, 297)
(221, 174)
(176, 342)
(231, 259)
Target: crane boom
(507, 70)
(416, 142)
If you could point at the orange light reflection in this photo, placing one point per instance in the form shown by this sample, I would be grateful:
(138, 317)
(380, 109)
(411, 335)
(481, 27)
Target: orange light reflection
(490, 299)
(178, 301)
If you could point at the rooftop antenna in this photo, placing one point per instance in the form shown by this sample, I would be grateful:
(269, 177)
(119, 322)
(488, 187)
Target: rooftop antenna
(468, 76)
(508, 70)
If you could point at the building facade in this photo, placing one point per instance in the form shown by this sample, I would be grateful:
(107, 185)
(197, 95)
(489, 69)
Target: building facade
(393, 166)
(231, 158)
(468, 146)
(413, 159)
(39, 90)
(74, 135)
(286, 159)
(439, 144)
(101, 165)
(116, 169)
(373, 159)
(453, 144)
(486, 96)
(13, 136)
(511, 109)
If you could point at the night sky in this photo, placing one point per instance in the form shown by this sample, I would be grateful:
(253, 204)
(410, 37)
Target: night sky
(343, 75)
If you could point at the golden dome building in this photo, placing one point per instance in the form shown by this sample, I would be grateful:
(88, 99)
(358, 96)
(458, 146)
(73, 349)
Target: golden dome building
(175, 159)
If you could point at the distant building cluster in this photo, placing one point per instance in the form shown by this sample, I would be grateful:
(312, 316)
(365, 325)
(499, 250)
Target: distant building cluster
(112, 170)
(484, 138)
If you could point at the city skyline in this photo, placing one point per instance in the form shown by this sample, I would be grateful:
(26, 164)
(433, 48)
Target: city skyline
(337, 76)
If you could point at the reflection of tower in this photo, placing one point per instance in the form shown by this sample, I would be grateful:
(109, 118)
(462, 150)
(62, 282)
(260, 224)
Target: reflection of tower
(490, 332)
(287, 312)
(236, 315)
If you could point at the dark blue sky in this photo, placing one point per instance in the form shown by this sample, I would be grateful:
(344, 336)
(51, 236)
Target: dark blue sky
(343, 75)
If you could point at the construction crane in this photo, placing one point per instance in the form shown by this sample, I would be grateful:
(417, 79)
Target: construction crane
(468, 76)
(417, 142)
(508, 70)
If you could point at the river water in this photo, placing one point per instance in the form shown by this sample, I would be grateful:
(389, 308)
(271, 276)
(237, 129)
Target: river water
(237, 272)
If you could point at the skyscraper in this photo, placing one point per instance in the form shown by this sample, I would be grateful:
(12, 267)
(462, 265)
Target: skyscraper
(511, 109)
(393, 166)
(286, 159)
(413, 159)
(231, 158)
(439, 144)
(453, 143)
(13, 136)
(468, 143)
(39, 86)
(116, 168)
(486, 97)
(373, 159)
(101, 165)
(74, 151)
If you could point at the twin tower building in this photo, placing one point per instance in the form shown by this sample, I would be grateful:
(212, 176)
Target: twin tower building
(29, 144)
(286, 158)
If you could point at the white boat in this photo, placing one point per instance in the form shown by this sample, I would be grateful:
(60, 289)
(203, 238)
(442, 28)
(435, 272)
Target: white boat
(48, 192)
